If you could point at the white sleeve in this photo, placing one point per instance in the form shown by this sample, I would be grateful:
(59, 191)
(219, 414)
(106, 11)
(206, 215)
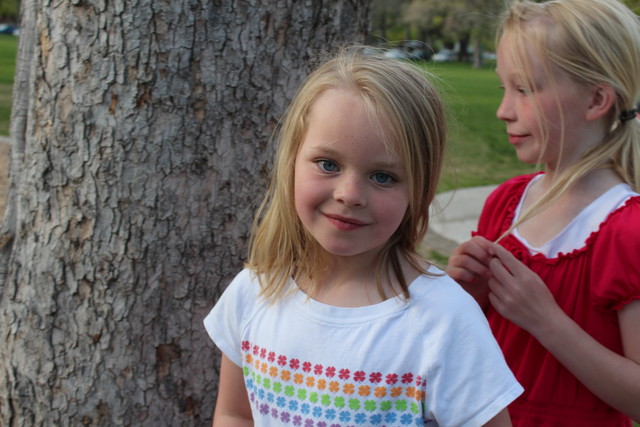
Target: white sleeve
(225, 321)
(471, 382)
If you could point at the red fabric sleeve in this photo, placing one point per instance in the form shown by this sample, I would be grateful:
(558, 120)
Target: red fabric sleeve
(618, 252)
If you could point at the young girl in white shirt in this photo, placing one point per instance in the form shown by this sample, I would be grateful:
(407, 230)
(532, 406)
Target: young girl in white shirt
(336, 320)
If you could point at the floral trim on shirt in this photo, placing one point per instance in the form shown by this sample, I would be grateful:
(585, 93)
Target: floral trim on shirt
(302, 393)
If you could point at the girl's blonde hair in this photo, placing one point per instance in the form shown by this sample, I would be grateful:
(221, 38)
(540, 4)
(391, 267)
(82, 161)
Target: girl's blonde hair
(595, 42)
(397, 93)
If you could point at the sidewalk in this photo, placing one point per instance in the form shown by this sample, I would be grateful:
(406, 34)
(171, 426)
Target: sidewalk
(454, 214)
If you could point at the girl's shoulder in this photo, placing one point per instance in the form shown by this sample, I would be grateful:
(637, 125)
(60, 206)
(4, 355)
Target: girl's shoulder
(616, 246)
(243, 293)
(623, 224)
(246, 281)
(443, 297)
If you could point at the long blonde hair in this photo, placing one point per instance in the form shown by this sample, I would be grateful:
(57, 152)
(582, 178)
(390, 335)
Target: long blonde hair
(594, 42)
(401, 95)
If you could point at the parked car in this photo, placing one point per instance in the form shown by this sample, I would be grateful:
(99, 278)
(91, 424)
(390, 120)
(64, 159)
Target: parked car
(418, 50)
(396, 53)
(444, 55)
(9, 29)
(489, 56)
(413, 50)
(420, 54)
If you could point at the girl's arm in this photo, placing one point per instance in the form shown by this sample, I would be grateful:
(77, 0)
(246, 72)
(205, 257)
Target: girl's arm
(469, 266)
(232, 406)
(502, 419)
(520, 295)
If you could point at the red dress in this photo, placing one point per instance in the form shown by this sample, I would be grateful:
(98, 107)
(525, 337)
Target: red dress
(590, 284)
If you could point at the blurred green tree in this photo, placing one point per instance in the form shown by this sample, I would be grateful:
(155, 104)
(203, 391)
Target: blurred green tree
(9, 10)
(467, 22)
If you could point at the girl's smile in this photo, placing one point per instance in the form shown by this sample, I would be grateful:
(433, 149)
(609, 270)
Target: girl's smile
(516, 139)
(345, 224)
(351, 192)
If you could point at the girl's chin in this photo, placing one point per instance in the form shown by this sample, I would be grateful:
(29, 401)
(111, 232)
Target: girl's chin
(340, 252)
(528, 158)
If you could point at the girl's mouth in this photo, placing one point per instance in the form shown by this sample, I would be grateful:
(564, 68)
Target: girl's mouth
(344, 223)
(515, 139)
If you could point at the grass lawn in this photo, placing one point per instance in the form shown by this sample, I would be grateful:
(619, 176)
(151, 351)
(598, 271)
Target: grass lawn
(8, 48)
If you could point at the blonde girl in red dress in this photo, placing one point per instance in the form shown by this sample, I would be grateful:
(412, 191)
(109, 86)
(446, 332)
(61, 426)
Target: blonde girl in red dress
(561, 287)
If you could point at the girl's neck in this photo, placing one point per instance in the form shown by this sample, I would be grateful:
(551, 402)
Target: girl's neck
(590, 186)
(352, 283)
(555, 216)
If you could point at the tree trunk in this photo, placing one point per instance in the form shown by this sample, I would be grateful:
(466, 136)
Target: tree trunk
(477, 49)
(140, 150)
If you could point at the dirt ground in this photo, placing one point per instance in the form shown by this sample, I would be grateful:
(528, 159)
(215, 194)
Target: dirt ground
(434, 247)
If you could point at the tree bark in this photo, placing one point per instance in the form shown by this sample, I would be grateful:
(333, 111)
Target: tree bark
(140, 149)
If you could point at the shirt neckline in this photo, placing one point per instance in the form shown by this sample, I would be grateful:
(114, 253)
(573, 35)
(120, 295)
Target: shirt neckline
(593, 215)
(353, 315)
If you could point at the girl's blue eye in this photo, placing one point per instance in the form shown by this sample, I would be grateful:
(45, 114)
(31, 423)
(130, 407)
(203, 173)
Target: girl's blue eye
(382, 178)
(328, 165)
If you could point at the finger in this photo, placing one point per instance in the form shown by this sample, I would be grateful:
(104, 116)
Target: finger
(495, 286)
(499, 271)
(470, 264)
(477, 248)
(495, 300)
(499, 295)
(463, 276)
(508, 260)
(481, 247)
(497, 303)
(482, 242)
(460, 275)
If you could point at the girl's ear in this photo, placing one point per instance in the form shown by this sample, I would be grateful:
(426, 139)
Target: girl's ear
(603, 97)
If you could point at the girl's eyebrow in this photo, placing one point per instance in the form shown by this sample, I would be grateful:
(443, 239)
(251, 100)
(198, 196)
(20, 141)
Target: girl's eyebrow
(323, 147)
(385, 164)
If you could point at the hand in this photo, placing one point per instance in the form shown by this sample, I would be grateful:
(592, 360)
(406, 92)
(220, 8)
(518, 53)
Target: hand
(518, 293)
(469, 266)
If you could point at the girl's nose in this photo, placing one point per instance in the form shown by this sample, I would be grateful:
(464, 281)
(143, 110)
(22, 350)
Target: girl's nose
(350, 191)
(505, 111)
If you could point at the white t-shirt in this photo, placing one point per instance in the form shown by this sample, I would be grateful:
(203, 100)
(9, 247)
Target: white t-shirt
(431, 361)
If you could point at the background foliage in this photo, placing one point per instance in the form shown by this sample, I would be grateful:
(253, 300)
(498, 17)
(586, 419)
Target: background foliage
(9, 10)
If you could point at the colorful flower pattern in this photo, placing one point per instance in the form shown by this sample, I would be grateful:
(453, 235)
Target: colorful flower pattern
(304, 393)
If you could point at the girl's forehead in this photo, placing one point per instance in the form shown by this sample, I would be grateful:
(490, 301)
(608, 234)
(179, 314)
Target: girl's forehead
(347, 101)
(520, 59)
(371, 105)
